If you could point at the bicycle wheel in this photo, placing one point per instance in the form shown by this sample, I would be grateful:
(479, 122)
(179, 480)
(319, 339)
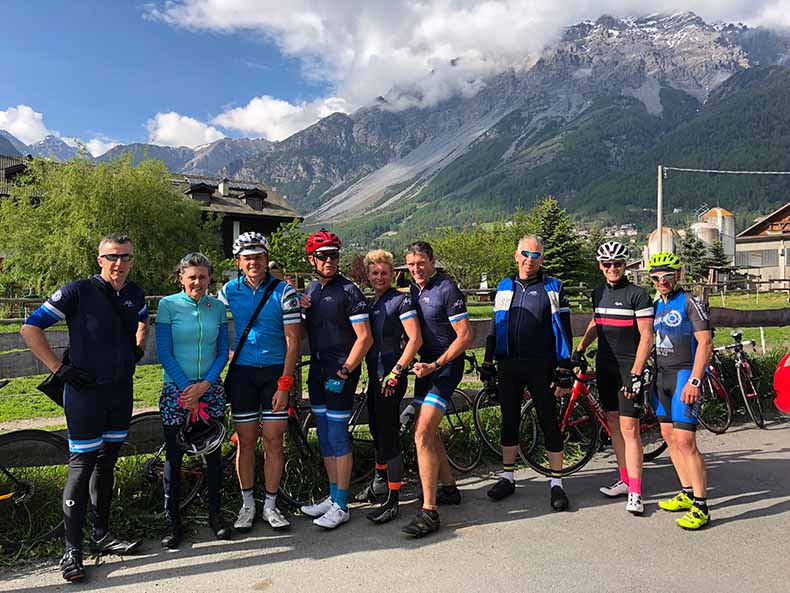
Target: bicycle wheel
(34, 467)
(751, 397)
(488, 420)
(580, 437)
(715, 411)
(457, 431)
(304, 476)
(653, 444)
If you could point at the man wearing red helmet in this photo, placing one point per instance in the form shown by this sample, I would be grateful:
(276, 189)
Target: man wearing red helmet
(337, 323)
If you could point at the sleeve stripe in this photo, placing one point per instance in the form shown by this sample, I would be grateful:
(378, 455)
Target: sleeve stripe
(54, 310)
(565, 309)
(407, 315)
(358, 318)
(646, 312)
(459, 317)
(293, 321)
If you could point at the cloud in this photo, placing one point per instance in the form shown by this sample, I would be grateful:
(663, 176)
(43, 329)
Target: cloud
(98, 146)
(276, 119)
(174, 129)
(24, 123)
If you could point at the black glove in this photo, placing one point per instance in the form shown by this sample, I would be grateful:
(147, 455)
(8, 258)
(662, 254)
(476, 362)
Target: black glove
(487, 372)
(634, 386)
(577, 358)
(563, 378)
(138, 353)
(75, 377)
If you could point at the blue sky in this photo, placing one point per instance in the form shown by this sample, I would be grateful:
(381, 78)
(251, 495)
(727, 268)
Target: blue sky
(186, 72)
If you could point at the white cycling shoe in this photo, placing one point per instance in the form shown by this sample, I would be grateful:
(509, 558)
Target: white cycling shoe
(334, 517)
(619, 488)
(634, 504)
(245, 519)
(317, 509)
(275, 518)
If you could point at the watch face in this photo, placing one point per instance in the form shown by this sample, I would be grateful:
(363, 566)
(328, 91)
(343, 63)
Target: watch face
(695, 382)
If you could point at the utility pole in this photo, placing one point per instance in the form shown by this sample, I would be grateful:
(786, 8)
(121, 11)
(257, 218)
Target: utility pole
(660, 208)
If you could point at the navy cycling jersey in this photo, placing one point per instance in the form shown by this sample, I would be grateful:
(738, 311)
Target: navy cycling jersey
(333, 309)
(616, 311)
(386, 314)
(676, 320)
(530, 333)
(98, 341)
(439, 305)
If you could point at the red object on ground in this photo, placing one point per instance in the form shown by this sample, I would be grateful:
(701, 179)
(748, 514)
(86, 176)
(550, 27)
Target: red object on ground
(782, 384)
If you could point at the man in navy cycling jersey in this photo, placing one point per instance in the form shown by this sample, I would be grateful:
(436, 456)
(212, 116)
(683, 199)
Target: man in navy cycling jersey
(262, 373)
(446, 333)
(683, 348)
(623, 325)
(97, 398)
(340, 336)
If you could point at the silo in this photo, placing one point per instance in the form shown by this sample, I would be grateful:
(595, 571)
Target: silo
(671, 243)
(705, 232)
(724, 220)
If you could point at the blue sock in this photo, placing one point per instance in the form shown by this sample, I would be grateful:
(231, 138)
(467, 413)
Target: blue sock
(333, 491)
(341, 498)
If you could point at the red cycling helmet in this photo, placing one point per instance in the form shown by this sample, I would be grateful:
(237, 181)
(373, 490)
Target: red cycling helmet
(782, 384)
(321, 240)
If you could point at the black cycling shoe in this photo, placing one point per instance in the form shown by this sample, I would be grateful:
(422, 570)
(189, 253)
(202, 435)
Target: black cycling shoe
(559, 501)
(172, 536)
(448, 495)
(373, 492)
(71, 566)
(502, 489)
(386, 512)
(110, 544)
(221, 529)
(423, 524)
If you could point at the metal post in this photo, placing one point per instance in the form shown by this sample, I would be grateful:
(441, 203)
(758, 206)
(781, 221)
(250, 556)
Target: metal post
(660, 208)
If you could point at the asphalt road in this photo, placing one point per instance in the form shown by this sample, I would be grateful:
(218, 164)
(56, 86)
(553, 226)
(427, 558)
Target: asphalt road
(516, 545)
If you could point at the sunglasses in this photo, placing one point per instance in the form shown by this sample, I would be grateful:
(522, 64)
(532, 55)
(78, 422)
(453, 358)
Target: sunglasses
(124, 257)
(532, 254)
(325, 255)
(662, 277)
(609, 264)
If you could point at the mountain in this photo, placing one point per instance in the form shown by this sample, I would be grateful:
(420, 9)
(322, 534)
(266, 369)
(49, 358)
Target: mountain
(54, 148)
(8, 149)
(592, 108)
(17, 145)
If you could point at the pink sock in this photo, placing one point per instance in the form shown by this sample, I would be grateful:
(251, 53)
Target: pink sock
(635, 486)
(624, 475)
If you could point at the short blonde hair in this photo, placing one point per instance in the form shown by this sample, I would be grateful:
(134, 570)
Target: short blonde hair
(379, 256)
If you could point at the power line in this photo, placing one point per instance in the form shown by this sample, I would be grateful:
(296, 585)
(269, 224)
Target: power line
(724, 172)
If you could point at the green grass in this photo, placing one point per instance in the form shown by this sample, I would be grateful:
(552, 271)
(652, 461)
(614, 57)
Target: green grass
(751, 301)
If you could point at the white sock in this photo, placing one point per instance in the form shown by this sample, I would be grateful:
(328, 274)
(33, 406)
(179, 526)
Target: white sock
(509, 476)
(270, 502)
(556, 482)
(247, 499)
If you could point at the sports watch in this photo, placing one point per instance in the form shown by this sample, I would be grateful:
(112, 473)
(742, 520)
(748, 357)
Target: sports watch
(695, 381)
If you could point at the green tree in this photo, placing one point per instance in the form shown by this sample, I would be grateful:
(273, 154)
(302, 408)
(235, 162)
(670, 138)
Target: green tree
(694, 256)
(288, 247)
(564, 251)
(51, 223)
(716, 256)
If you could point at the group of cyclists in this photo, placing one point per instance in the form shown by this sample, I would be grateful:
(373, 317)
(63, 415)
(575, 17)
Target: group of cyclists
(426, 329)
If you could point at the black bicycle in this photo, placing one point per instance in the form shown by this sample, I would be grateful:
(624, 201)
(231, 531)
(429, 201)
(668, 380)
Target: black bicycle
(746, 376)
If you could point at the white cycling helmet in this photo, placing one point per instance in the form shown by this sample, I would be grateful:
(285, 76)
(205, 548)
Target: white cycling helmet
(612, 250)
(200, 437)
(250, 243)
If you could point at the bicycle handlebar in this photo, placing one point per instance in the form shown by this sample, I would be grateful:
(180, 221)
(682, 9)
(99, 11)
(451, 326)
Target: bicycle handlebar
(735, 346)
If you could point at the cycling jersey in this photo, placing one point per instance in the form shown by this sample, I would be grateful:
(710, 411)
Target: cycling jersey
(194, 330)
(98, 340)
(439, 305)
(333, 309)
(616, 311)
(676, 320)
(265, 344)
(386, 314)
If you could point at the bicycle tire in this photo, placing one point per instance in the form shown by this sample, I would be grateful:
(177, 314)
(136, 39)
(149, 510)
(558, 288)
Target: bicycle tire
(580, 438)
(488, 420)
(715, 412)
(460, 439)
(653, 443)
(751, 397)
(34, 513)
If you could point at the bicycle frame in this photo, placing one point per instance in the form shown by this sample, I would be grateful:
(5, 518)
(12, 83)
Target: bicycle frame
(580, 389)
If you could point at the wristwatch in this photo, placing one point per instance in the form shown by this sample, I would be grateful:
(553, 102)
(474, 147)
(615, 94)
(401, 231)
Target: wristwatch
(695, 382)
(398, 368)
(345, 371)
(436, 364)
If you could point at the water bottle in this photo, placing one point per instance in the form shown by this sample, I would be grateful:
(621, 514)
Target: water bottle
(407, 414)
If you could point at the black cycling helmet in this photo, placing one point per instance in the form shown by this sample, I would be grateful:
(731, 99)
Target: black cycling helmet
(201, 437)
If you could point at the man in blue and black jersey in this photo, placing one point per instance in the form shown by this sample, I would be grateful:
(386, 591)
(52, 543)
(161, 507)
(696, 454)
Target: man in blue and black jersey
(623, 324)
(684, 345)
(446, 334)
(530, 337)
(108, 320)
(339, 330)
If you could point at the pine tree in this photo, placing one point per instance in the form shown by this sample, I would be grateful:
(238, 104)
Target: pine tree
(562, 246)
(694, 256)
(716, 256)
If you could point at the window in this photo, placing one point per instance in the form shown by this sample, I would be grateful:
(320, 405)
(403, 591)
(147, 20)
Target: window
(770, 258)
(255, 203)
(236, 229)
(743, 259)
(764, 258)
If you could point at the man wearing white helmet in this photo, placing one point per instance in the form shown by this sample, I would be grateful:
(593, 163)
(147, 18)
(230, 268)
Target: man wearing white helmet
(261, 370)
(623, 324)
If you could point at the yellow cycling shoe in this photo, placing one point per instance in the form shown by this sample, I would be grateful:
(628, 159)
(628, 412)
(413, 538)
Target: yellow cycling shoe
(680, 502)
(694, 519)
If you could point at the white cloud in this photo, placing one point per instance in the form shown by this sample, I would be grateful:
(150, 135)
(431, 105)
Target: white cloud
(98, 146)
(276, 119)
(24, 123)
(174, 129)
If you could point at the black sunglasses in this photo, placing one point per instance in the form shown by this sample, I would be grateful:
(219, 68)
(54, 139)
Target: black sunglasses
(125, 257)
(609, 264)
(325, 255)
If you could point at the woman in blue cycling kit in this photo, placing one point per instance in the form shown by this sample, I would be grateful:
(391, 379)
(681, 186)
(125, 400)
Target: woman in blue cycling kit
(192, 345)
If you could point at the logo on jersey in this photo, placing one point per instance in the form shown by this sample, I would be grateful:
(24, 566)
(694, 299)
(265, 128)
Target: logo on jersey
(128, 303)
(458, 303)
(57, 296)
(292, 303)
(664, 345)
(672, 319)
(618, 304)
(426, 299)
(533, 293)
(360, 307)
(327, 299)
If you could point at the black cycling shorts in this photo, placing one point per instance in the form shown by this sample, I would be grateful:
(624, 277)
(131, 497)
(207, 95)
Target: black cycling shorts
(251, 392)
(611, 375)
(437, 388)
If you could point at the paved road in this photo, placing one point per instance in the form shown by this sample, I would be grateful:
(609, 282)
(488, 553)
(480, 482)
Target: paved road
(517, 545)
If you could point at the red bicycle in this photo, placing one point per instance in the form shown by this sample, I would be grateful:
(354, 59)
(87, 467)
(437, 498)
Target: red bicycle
(582, 420)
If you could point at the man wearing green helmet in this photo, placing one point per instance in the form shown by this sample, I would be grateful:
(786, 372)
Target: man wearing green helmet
(683, 349)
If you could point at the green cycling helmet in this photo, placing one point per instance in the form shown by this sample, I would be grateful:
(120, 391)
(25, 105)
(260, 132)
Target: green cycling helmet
(664, 262)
